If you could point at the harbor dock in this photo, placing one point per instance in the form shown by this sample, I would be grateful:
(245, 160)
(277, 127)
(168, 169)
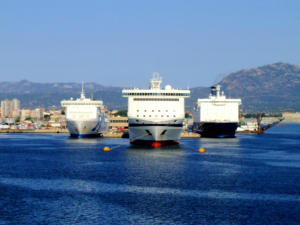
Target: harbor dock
(65, 131)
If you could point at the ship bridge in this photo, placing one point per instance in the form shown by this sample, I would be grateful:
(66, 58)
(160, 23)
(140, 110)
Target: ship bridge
(82, 100)
(155, 90)
(71, 102)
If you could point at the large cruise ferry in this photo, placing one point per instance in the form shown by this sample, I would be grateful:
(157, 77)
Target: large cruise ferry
(155, 114)
(85, 116)
(216, 116)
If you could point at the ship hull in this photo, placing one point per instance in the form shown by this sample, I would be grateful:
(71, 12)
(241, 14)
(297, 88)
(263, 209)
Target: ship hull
(215, 130)
(85, 128)
(148, 133)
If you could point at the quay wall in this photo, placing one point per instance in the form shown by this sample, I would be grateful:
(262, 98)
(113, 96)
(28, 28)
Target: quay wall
(65, 131)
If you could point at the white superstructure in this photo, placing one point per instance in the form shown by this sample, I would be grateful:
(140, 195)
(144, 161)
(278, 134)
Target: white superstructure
(155, 114)
(85, 116)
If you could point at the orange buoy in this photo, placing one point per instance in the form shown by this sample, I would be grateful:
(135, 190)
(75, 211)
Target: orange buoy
(156, 144)
(201, 150)
(106, 149)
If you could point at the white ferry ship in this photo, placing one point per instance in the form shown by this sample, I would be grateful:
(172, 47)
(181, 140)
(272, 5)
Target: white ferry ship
(85, 116)
(155, 114)
(216, 116)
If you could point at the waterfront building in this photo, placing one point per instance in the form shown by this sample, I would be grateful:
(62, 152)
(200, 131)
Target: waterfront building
(57, 116)
(10, 108)
(36, 114)
(25, 113)
(118, 122)
(5, 108)
(16, 107)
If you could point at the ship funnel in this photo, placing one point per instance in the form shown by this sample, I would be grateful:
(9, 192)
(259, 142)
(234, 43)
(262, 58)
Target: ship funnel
(82, 96)
(213, 91)
(155, 81)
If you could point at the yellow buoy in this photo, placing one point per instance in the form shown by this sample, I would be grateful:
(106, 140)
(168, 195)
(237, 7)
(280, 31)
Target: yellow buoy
(201, 150)
(106, 149)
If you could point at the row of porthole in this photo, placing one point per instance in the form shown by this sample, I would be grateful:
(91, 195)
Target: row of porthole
(153, 110)
(155, 116)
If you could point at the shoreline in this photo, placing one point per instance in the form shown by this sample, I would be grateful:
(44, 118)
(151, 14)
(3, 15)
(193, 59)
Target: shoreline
(65, 131)
(108, 134)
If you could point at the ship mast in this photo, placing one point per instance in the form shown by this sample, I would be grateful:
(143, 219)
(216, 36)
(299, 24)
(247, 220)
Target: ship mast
(155, 81)
(82, 96)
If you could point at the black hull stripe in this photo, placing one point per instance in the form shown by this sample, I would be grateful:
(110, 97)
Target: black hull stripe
(210, 129)
(154, 125)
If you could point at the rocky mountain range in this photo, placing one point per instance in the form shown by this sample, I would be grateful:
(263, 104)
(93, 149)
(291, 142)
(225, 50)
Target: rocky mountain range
(274, 87)
(269, 88)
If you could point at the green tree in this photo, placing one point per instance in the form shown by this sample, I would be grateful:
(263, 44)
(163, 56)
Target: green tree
(122, 113)
(46, 117)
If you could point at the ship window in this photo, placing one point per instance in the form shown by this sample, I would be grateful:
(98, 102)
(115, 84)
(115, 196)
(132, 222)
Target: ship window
(137, 115)
(166, 110)
(137, 120)
(158, 110)
(162, 115)
(174, 116)
(145, 110)
(156, 99)
(137, 110)
(144, 116)
(152, 110)
(167, 115)
(149, 115)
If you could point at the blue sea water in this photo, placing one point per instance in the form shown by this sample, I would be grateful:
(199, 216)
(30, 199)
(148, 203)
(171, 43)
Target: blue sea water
(54, 179)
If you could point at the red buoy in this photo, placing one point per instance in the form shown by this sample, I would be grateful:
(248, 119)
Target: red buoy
(156, 144)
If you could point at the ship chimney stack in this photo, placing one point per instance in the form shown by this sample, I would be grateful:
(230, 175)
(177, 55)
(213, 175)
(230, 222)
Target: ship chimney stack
(213, 91)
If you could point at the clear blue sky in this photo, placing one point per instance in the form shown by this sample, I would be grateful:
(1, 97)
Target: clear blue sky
(120, 43)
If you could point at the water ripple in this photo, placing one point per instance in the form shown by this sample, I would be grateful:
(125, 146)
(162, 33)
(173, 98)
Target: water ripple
(93, 187)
